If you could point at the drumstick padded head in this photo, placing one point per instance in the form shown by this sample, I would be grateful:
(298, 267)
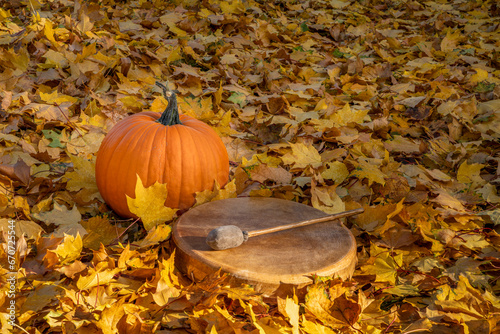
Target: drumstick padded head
(225, 237)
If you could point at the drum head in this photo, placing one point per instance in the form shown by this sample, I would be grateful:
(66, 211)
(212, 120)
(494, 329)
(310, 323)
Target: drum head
(282, 259)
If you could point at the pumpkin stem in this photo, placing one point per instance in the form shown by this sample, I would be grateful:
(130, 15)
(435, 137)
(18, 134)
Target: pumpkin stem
(171, 114)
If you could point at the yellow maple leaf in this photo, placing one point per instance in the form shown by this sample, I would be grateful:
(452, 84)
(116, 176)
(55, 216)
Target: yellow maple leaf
(319, 304)
(159, 104)
(489, 193)
(49, 33)
(480, 76)
(450, 41)
(67, 220)
(385, 265)
(302, 156)
(261, 158)
(199, 108)
(326, 199)
(366, 170)
(336, 171)
(232, 7)
(70, 249)
(347, 115)
(205, 196)
(291, 310)
(156, 235)
(82, 177)
(470, 174)
(166, 289)
(149, 204)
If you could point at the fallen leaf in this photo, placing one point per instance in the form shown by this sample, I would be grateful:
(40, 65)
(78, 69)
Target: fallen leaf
(302, 156)
(148, 204)
(156, 235)
(99, 232)
(69, 250)
(68, 221)
(218, 193)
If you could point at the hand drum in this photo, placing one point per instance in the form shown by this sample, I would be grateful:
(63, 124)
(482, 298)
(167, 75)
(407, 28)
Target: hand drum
(272, 263)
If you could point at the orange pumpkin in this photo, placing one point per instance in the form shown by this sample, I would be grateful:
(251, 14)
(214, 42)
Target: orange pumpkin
(178, 150)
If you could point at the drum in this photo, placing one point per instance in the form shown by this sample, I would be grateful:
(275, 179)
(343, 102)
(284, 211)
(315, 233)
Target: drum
(274, 264)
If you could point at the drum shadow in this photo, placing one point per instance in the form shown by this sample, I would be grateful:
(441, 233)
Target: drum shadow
(197, 243)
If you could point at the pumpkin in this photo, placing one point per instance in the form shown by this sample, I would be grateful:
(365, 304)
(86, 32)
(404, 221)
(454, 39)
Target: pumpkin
(178, 150)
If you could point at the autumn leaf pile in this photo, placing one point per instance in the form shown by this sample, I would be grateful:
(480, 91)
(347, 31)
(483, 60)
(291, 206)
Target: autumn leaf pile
(389, 105)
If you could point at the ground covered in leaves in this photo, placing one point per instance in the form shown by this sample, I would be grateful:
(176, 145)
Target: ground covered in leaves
(389, 105)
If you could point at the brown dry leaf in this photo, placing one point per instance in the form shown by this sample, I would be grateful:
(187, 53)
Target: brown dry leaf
(366, 170)
(262, 173)
(20, 171)
(40, 297)
(100, 231)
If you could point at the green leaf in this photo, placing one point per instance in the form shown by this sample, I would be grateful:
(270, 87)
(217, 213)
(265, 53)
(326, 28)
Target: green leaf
(238, 98)
(55, 138)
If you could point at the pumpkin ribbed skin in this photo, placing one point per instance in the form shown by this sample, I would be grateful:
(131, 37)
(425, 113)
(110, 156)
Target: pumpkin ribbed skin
(188, 157)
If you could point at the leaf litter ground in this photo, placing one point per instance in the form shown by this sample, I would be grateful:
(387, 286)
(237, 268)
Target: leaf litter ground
(393, 106)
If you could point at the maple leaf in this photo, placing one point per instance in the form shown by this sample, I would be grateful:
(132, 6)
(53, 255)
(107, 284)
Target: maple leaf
(347, 115)
(290, 308)
(412, 122)
(326, 199)
(302, 156)
(469, 174)
(311, 327)
(96, 277)
(83, 177)
(166, 289)
(403, 290)
(336, 171)
(385, 266)
(69, 250)
(489, 193)
(262, 173)
(156, 235)
(366, 170)
(110, 316)
(149, 204)
(100, 231)
(205, 196)
(40, 297)
(319, 305)
(261, 158)
(68, 221)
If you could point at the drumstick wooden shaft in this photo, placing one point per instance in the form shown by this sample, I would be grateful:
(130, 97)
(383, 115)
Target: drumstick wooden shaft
(231, 236)
(304, 223)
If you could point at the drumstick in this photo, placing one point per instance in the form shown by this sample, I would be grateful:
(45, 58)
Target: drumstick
(231, 236)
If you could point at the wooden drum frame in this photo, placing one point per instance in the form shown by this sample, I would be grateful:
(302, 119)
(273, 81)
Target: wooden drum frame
(274, 264)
